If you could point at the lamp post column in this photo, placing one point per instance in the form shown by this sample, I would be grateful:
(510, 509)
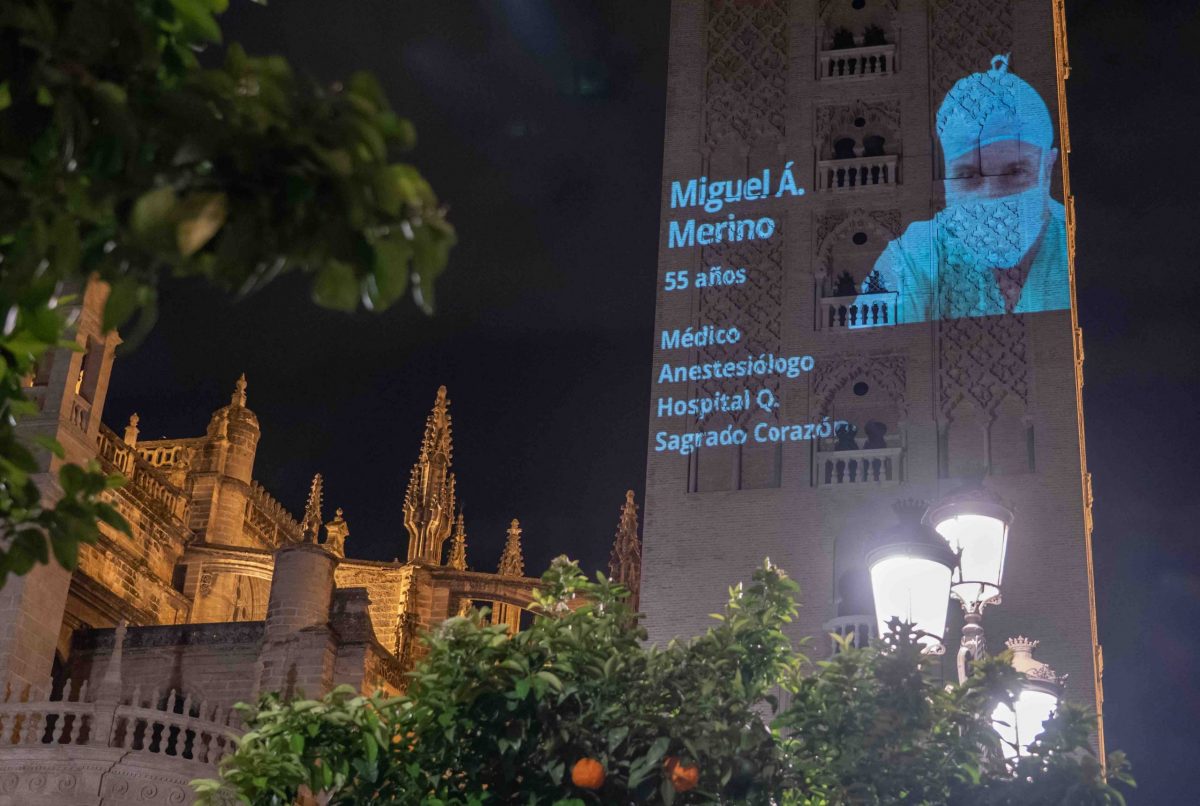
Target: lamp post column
(973, 645)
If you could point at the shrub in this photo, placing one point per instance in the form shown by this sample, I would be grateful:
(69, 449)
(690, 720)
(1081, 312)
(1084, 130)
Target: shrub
(577, 709)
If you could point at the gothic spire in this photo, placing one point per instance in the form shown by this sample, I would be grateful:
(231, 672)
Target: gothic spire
(625, 564)
(429, 500)
(458, 548)
(512, 564)
(310, 527)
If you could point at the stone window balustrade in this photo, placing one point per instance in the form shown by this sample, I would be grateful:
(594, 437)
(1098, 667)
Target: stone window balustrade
(861, 62)
(858, 311)
(856, 173)
(861, 466)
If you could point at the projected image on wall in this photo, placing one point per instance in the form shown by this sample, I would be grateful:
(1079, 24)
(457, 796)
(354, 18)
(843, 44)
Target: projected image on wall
(1000, 244)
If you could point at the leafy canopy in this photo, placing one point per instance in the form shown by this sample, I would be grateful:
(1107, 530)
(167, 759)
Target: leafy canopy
(490, 718)
(122, 157)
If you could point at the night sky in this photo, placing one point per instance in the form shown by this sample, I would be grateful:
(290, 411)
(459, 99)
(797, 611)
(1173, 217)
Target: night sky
(540, 124)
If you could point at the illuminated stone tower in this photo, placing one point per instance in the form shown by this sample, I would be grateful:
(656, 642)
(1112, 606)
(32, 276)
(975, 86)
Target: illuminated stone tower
(223, 469)
(926, 269)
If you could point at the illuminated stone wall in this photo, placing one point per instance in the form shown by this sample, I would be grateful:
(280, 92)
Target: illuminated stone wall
(845, 94)
(387, 586)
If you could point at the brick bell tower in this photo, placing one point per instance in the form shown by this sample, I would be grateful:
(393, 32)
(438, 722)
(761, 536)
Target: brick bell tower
(902, 120)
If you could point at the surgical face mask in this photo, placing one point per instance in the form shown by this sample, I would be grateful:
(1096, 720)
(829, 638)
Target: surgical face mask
(993, 232)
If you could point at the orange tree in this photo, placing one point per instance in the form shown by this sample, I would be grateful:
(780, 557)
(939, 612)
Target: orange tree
(577, 709)
(121, 157)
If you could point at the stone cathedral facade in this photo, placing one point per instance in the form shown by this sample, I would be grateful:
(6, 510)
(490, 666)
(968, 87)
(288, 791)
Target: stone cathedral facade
(859, 99)
(117, 680)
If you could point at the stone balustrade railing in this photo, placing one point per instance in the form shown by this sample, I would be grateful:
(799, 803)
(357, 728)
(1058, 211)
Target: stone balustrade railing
(164, 454)
(197, 731)
(103, 747)
(269, 518)
(860, 629)
(157, 489)
(865, 62)
(849, 468)
(859, 311)
(114, 451)
(858, 172)
(81, 413)
(174, 727)
(144, 480)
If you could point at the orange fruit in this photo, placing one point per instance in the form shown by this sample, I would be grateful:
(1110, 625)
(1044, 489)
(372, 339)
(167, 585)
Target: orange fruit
(588, 773)
(684, 777)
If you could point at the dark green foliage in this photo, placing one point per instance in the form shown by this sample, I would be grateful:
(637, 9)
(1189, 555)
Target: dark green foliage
(120, 157)
(494, 719)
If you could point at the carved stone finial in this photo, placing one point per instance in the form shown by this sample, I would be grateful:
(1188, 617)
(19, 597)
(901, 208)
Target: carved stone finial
(239, 391)
(625, 563)
(131, 431)
(310, 527)
(1024, 662)
(458, 548)
(336, 532)
(429, 499)
(512, 564)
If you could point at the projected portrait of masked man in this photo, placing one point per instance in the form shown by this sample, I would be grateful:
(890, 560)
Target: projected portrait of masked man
(1000, 244)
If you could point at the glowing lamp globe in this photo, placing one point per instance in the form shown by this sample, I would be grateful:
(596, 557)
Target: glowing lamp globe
(1022, 723)
(1019, 726)
(975, 524)
(910, 569)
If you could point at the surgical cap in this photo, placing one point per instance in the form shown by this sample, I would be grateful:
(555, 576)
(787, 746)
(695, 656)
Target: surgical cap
(985, 108)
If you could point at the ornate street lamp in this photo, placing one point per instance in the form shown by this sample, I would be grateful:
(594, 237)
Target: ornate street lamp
(974, 522)
(1041, 691)
(910, 569)
(957, 547)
